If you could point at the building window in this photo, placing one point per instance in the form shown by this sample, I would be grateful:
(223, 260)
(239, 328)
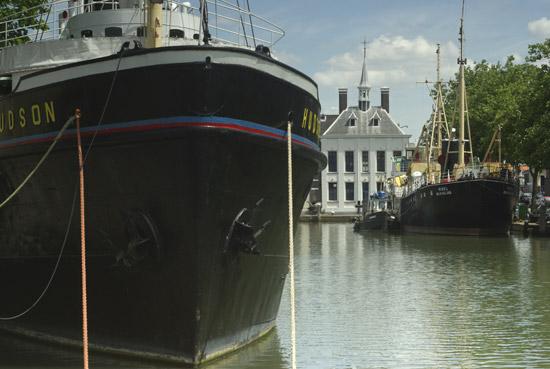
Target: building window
(405, 165)
(350, 195)
(349, 162)
(374, 122)
(379, 186)
(351, 122)
(333, 191)
(332, 163)
(401, 164)
(380, 161)
(365, 192)
(397, 154)
(365, 161)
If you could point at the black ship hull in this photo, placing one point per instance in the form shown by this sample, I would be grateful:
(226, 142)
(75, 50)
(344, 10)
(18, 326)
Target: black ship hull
(468, 207)
(182, 149)
(377, 220)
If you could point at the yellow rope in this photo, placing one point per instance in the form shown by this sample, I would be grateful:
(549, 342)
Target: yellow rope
(291, 251)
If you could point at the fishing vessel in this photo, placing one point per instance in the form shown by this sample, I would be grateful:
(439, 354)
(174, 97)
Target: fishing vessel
(449, 191)
(184, 110)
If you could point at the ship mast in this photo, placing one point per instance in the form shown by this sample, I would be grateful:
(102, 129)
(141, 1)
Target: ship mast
(432, 133)
(434, 148)
(440, 117)
(154, 24)
(461, 62)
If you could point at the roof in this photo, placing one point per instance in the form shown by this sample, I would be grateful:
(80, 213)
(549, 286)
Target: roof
(364, 124)
(327, 122)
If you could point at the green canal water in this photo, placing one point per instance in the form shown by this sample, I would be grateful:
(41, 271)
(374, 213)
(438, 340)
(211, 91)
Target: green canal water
(373, 300)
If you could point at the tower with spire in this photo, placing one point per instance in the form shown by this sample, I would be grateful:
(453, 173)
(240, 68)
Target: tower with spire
(364, 86)
(366, 140)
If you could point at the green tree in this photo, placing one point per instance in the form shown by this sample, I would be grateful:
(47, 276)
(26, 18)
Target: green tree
(535, 145)
(540, 53)
(18, 17)
(493, 96)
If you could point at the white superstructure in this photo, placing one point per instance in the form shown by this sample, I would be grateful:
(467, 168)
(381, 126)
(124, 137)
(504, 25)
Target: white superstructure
(76, 30)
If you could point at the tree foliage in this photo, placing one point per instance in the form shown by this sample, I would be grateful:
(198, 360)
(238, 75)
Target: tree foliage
(514, 96)
(536, 122)
(18, 17)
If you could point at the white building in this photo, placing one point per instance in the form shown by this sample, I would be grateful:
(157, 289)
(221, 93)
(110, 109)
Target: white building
(360, 146)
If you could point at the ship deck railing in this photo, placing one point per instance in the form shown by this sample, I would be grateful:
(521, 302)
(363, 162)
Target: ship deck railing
(228, 23)
(479, 171)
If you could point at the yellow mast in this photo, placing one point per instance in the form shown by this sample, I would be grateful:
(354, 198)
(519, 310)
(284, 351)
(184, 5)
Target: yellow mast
(154, 24)
(442, 123)
(438, 122)
(434, 150)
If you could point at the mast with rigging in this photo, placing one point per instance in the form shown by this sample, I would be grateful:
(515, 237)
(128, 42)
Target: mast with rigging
(434, 131)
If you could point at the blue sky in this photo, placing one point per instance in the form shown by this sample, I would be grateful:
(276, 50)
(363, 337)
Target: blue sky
(323, 39)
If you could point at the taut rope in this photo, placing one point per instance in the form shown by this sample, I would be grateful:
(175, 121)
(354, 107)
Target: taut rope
(291, 250)
(83, 244)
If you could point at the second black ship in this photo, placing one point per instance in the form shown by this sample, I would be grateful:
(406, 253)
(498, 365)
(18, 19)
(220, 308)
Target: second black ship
(449, 191)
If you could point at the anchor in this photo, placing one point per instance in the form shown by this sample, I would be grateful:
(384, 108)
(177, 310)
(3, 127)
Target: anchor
(143, 240)
(243, 233)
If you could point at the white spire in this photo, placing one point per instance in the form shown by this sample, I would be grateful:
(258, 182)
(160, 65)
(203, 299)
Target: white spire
(364, 87)
(364, 75)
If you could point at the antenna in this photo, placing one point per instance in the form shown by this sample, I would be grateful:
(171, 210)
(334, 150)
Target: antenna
(438, 52)
(461, 39)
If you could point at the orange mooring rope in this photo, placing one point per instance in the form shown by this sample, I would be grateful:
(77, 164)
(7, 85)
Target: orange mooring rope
(83, 245)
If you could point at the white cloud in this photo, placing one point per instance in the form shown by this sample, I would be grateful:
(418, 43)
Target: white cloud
(540, 27)
(396, 48)
(391, 61)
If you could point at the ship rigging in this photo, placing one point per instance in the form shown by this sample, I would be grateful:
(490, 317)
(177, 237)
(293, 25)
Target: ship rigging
(449, 190)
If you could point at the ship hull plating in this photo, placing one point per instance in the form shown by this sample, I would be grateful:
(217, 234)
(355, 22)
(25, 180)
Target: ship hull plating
(181, 150)
(470, 207)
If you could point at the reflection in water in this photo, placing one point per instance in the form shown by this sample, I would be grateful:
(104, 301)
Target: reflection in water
(375, 300)
(266, 353)
(404, 301)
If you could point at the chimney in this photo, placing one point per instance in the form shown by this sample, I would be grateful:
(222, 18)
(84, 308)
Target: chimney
(385, 98)
(342, 99)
